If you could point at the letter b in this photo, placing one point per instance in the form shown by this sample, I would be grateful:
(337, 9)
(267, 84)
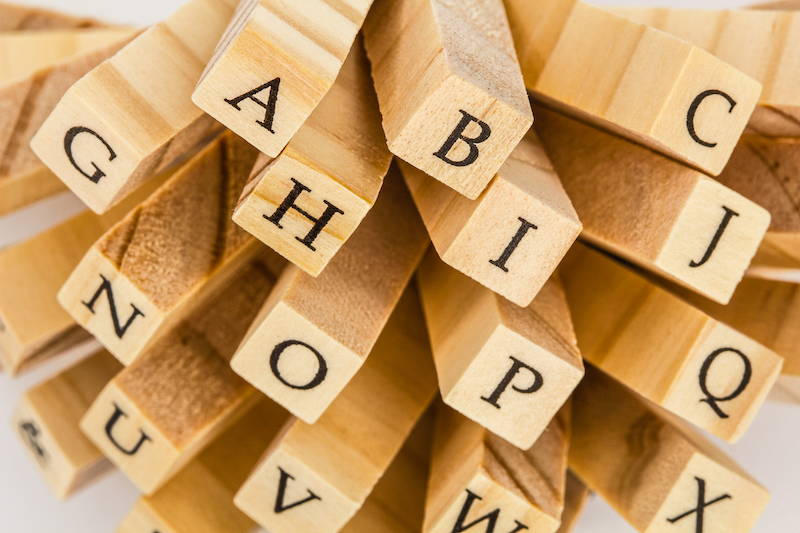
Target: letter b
(458, 134)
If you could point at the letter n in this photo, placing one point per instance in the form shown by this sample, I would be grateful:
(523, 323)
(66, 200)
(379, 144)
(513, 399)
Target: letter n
(105, 287)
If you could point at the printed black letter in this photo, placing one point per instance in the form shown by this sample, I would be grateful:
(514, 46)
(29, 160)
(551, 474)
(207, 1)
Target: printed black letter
(275, 358)
(458, 134)
(279, 506)
(272, 102)
(319, 223)
(712, 400)
(500, 262)
(69, 138)
(516, 366)
(729, 214)
(106, 287)
(491, 518)
(30, 433)
(701, 505)
(693, 109)
(110, 427)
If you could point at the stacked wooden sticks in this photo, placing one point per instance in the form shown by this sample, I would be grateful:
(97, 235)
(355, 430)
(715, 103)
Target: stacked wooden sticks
(293, 385)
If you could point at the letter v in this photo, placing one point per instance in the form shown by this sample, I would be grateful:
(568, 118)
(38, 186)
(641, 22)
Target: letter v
(279, 505)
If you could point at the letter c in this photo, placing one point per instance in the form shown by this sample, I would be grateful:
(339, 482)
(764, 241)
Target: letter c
(693, 109)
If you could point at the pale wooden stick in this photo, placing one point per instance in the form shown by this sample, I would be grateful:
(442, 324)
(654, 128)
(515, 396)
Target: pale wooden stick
(513, 236)
(477, 477)
(313, 334)
(164, 409)
(15, 17)
(274, 64)
(33, 326)
(199, 499)
(397, 503)
(508, 368)
(315, 477)
(47, 420)
(133, 114)
(657, 213)
(657, 473)
(636, 81)
(45, 64)
(769, 54)
(307, 202)
(449, 86)
(664, 348)
(167, 256)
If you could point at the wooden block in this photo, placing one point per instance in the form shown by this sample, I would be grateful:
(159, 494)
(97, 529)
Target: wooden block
(38, 67)
(200, 498)
(313, 478)
(658, 474)
(165, 408)
(307, 202)
(47, 420)
(479, 480)
(133, 114)
(397, 503)
(769, 54)
(33, 326)
(506, 367)
(467, 108)
(14, 17)
(645, 85)
(766, 171)
(275, 63)
(313, 334)
(659, 214)
(514, 235)
(664, 348)
(576, 496)
(167, 256)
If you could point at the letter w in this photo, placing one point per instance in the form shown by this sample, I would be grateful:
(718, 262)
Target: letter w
(106, 287)
(491, 518)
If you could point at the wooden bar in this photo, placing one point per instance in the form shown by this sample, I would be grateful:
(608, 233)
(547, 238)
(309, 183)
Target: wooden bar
(47, 419)
(657, 473)
(313, 334)
(315, 477)
(133, 114)
(38, 67)
(769, 54)
(162, 411)
(665, 349)
(508, 368)
(14, 17)
(33, 326)
(274, 64)
(168, 256)
(309, 200)
(576, 496)
(466, 108)
(199, 499)
(657, 213)
(477, 477)
(646, 85)
(512, 237)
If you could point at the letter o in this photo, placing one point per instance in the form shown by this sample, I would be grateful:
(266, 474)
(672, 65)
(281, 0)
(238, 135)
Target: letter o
(275, 357)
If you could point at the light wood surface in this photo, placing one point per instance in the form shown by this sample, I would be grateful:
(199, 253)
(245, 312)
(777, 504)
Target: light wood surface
(167, 256)
(38, 67)
(313, 334)
(786, 390)
(313, 478)
(133, 114)
(274, 64)
(307, 202)
(512, 237)
(47, 418)
(466, 108)
(767, 171)
(664, 348)
(479, 480)
(506, 367)
(33, 326)
(15, 17)
(653, 471)
(397, 503)
(645, 85)
(657, 213)
(769, 54)
(199, 499)
(165, 408)
(576, 496)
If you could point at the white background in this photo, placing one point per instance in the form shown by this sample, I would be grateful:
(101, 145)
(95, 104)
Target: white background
(769, 450)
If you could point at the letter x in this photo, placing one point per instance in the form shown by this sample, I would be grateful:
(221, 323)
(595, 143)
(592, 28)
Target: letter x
(701, 505)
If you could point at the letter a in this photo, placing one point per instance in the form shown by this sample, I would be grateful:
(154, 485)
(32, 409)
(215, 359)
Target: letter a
(272, 102)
